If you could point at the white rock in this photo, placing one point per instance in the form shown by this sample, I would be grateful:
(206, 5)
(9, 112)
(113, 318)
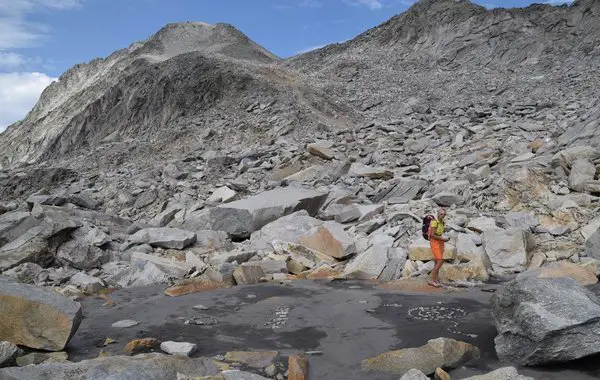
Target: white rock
(222, 194)
(178, 348)
(125, 323)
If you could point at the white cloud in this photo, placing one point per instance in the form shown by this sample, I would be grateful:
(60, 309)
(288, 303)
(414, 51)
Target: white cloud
(371, 4)
(558, 2)
(10, 61)
(16, 28)
(18, 94)
(310, 4)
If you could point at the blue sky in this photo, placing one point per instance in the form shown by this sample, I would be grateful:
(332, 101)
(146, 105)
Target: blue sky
(40, 39)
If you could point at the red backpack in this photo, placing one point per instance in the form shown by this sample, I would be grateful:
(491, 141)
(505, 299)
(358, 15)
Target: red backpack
(425, 228)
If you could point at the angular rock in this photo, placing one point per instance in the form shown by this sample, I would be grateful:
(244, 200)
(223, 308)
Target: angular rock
(37, 245)
(84, 200)
(506, 373)
(273, 266)
(289, 228)
(89, 284)
(248, 273)
(361, 213)
(420, 250)
(35, 317)
(309, 174)
(302, 253)
(171, 238)
(82, 251)
(195, 285)
(590, 228)
(28, 273)
(212, 240)
(297, 367)
(146, 199)
(371, 263)
(545, 320)
(507, 249)
(173, 268)
(125, 324)
(330, 239)
(592, 245)
(153, 366)
(137, 273)
(42, 357)
(414, 374)
(481, 224)
(584, 276)
(473, 270)
(165, 217)
(321, 149)
(393, 269)
(402, 192)
(222, 195)
(523, 220)
(440, 374)
(178, 348)
(447, 199)
(437, 353)
(137, 346)
(241, 218)
(8, 354)
(360, 170)
(14, 224)
(253, 359)
(582, 171)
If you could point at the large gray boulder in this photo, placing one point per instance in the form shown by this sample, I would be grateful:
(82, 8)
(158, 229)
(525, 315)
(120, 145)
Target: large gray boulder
(37, 245)
(507, 249)
(581, 172)
(289, 228)
(545, 320)
(241, 218)
(36, 317)
(14, 224)
(83, 252)
(146, 366)
(163, 237)
(592, 244)
(371, 263)
(402, 192)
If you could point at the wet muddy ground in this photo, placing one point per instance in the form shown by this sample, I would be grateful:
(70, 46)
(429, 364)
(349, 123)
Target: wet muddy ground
(344, 322)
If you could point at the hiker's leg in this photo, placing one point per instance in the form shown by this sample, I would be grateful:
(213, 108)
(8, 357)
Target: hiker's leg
(436, 269)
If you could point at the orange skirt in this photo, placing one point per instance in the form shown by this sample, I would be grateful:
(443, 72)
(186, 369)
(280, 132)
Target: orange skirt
(437, 247)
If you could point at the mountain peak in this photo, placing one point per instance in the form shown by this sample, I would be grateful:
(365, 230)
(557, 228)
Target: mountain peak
(180, 38)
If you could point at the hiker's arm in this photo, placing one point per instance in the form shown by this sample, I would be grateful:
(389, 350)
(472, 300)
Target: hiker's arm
(437, 237)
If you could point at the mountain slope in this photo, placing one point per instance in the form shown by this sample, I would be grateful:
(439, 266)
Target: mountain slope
(183, 78)
(452, 53)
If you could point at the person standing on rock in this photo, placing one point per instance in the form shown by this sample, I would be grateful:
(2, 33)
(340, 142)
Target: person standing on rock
(437, 242)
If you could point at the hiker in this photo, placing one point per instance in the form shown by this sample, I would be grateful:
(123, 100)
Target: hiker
(437, 240)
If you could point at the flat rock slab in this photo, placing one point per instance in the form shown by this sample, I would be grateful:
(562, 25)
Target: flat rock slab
(125, 323)
(437, 353)
(170, 238)
(241, 218)
(254, 359)
(146, 366)
(36, 317)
